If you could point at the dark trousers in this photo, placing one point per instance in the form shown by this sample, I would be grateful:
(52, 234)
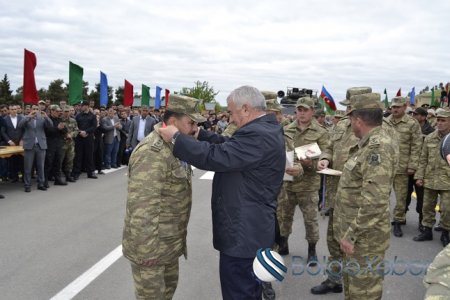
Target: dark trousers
(419, 195)
(120, 153)
(53, 162)
(36, 155)
(237, 280)
(84, 155)
(15, 166)
(98, 153)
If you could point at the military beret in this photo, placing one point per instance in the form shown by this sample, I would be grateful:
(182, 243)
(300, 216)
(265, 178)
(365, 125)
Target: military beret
(306, 102)
(185, 105)
(365, 101)
(398, 101)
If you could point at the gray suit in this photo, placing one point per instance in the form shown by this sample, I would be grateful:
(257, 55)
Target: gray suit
(134, 129)
(34, 144)
(108, 129)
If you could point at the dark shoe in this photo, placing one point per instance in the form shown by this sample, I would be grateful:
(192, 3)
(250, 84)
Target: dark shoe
(60, 181)
(426, 235)
(76, 176)
(92, 176)
(2, 197)
(438, 227)
(42, 188)
(70, 179)
(27, 189)
(283, 248)
(107, 167)
(398, 229)
(114, 167)
(445, 239)
(14, 180)
(4, 178)
(421, 228)
(327, 287)
(267, 291)
(100, 173)
(312, 255)
(46, 185)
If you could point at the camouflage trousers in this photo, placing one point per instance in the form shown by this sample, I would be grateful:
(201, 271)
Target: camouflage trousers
(428, 210)
(331, 190)
(282, 199)
(401, 192)
(158, 282)
(367, 282)
(335, 271)
(67, 158)
(307, 201)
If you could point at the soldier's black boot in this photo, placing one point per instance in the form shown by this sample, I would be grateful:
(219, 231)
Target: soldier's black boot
(60, 181)
(445, 238)
(312, 255)
(398, 229)
(426, 235)
(326, 287)
(69, 178)
(420, 223)
(283, 247)
(267, 291)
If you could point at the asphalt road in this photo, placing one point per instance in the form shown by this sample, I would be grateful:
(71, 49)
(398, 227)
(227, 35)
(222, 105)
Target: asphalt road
(48, 239)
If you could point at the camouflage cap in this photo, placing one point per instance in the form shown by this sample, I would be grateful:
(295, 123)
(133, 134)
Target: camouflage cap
(269, 95)
(55, 107)
(345, 102)
(398, 101)
(185, 105)
(339, 114)
(365, 101)
(431, 112)
(442, 113)
(353, 91)
(319, 113)
(305, 102)
(272, 105)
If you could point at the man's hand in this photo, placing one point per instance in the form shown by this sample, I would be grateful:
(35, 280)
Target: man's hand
(307, 163)
(83, 134)
(410, 171)
(347, 247)
(150, 263)
(294, 171)
(11, 143)
(419, 182)
(168, 132)
(322, 164)
(61, 125)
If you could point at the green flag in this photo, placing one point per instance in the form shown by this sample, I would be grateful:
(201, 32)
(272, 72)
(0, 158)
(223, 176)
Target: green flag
(386, 101)
(433, 100)
(145, 95)
(75, 83)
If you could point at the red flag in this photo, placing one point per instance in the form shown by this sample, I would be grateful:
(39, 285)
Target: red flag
(30, 94)
(166, 97)
(399, 93)
(128, 94)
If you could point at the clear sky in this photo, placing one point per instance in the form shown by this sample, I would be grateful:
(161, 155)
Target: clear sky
(267, 44)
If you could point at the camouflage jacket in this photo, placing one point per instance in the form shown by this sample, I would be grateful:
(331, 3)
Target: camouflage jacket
(437, 279)
(433, 170)
(410, 139)
(158, 202)
(309, 180)
(361, 213)
(230, 130)
(72, 129)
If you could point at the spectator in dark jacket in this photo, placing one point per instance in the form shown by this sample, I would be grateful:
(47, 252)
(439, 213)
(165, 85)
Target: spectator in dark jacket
(249, 170)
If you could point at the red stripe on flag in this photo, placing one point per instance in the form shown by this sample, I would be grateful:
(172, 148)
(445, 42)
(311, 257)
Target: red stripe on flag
(30, 94)
(128, 94)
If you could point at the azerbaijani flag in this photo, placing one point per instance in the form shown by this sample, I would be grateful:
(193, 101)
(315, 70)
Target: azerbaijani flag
(327, 101)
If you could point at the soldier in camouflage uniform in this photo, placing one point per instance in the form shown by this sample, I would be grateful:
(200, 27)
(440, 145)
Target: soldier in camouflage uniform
(158, 205)
(303, 190)
(410, 142)
(361, 212)
(437, 280)
(434, 175)
(69, 144)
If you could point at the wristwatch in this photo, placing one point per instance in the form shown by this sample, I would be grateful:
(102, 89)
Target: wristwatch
(174, 137)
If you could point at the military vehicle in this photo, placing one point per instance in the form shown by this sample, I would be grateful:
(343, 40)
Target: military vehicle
(289, 99)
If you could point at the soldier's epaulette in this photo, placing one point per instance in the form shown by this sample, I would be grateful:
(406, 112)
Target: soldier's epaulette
(157, 145)
(374, 141)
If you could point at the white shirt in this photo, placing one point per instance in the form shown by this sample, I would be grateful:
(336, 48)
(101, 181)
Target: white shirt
(115, 132)
(14, 121)
(141, 131)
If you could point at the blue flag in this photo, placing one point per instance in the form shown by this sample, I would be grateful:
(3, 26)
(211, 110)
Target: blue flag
(103, 89)
(158, 98)
(412, 96)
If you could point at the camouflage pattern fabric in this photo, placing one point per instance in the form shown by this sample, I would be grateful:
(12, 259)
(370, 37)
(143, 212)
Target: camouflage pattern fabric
(158, 207)
(437, 279)
(230, 130)
(69, 145)
(361, 212)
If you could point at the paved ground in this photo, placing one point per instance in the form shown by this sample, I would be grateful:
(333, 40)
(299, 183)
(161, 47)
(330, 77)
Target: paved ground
(48, 239)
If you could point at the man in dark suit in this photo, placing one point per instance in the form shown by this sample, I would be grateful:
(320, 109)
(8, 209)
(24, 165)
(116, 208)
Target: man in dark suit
(121, 158)
(140, 127)
(35, 145)
(12, 135)
(111, 138)
(249, 170)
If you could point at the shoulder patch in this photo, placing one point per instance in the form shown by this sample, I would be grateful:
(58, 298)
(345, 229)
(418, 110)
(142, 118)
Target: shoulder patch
(374, 141)
(374, 159)
(157, 145)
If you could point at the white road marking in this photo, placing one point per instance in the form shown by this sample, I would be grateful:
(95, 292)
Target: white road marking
(87, 277)
(208, 175)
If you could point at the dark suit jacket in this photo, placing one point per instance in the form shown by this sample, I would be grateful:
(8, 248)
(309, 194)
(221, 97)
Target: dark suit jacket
(9, 133)
(31, 132)
(108, 130)
(249, 170)
(134, 129)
